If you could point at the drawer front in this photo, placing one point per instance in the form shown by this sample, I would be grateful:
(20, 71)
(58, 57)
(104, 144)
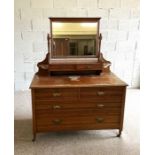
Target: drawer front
(62, 67)
(56, 94)
(102, 94)
(76, 112)
(77, 123)
(89, 121)
(55, 120)
(89, 66)
(59, 106)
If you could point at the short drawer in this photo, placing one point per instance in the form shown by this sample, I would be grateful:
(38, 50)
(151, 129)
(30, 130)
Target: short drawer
(89, 66)
(63, 67)
(102, 94)
(56, 94)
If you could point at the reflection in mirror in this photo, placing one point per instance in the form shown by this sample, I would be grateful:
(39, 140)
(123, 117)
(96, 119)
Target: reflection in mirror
(74, 39)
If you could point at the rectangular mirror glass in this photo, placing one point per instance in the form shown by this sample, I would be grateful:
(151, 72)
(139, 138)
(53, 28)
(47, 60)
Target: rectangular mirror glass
(74, 39)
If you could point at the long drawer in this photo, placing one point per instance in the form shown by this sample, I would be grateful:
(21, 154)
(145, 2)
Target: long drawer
(58, 106)
(56, 123)
(77, 112)
(85, 119)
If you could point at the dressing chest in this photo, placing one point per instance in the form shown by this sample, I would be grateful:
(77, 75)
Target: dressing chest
(74, 88)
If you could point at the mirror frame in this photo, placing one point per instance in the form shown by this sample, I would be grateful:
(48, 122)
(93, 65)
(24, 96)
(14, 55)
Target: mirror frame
(73, 20)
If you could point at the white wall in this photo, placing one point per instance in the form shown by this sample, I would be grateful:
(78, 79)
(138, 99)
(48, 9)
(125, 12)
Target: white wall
(119, 28)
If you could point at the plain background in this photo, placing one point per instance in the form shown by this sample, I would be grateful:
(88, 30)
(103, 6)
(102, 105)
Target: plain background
(119, 26)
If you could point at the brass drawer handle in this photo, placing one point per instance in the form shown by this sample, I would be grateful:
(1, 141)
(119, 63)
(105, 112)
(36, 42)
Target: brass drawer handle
(56, 94)
(99, 120)
(56, 106)
(57, 121)
(100, 105)
(100, 93)
(88, 67)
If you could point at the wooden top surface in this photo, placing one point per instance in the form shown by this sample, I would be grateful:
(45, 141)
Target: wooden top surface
(104, 79)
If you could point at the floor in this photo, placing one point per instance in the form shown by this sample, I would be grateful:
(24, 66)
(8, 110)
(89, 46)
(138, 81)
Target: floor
(102, 142)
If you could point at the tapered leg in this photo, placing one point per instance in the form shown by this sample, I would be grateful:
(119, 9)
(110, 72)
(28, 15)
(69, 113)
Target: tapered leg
(34, 137)
(119, 134)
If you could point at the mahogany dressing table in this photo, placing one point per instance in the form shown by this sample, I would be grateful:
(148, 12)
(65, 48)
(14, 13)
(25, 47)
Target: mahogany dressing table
(74, 88)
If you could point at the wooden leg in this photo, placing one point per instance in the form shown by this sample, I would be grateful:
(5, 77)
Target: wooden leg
(119, 134)
(34, 137)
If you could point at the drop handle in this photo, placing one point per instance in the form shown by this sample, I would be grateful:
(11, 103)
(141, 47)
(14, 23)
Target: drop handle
(56, 94)
(57, 121)
(88, 67)
(99, 119)
(100, 105)
(56, 106)
(100, 93)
